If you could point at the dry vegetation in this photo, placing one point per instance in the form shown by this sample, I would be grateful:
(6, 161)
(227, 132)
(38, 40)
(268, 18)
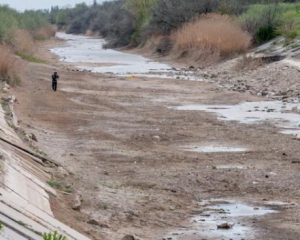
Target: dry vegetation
(248, 62)
(7, 64)
(23, 41)
(210, 38)
(22, 45)
(45, 32)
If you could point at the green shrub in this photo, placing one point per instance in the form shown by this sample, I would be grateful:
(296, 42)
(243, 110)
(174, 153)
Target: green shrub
(288, 27)
(264, 34)
(54, 184)
(8, 24)
(262, 20)
(292, 34)
(53, 236)
(11, 20)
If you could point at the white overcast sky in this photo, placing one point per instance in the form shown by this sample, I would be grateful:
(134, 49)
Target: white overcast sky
(22, 5)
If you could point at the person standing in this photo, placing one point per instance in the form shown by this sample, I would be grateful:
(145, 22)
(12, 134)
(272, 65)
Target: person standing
(54, 81)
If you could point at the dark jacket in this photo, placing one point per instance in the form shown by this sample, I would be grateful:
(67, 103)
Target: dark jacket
(55, 77)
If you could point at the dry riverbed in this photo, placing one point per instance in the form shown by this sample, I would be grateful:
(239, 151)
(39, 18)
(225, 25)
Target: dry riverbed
(142, 164)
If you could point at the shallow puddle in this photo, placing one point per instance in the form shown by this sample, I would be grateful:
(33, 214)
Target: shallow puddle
(275, 112)
(233, 167)
(213, 149)
(205, 225)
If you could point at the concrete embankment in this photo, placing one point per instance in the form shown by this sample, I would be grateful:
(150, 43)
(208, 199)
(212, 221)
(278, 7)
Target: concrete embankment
(25, 211)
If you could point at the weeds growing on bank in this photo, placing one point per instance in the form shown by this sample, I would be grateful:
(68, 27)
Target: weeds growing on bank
(210, 38)
(30, 57)
(53, 236)
(55, 184)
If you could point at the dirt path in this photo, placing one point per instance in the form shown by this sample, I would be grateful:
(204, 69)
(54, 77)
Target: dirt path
(123, 147)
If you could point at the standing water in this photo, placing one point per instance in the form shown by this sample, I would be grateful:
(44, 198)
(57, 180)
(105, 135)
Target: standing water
(229, 213)
(90, 54)
(282, 115)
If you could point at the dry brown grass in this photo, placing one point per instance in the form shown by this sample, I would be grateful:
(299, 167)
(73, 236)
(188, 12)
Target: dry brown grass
(23, 41)
(10, 65)
(45, 33)
(210, 38)
(159, 44)
(7, 65)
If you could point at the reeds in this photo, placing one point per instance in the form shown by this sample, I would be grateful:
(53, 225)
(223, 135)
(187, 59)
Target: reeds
(45, 32)
(7, 64)
(23, 41)
(210, 38)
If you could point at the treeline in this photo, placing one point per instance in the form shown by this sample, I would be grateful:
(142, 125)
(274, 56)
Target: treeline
(12, 20)
(125, 22)
(18, 31)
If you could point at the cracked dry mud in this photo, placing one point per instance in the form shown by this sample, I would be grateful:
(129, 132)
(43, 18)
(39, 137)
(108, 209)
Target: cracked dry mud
(122, 144)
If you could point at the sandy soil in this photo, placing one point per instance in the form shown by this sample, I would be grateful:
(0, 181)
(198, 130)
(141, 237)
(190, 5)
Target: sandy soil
(123, 149)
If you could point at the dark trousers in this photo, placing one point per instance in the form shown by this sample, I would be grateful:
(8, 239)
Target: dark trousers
(54, 85)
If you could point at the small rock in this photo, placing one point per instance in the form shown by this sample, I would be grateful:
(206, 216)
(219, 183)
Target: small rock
(33, 137)
(296, 161)
(77, 204)
(156, 137)
(294, 109)
(103, 225)
(128, 237)
(62, 171)
(298, 137)
(93, 222)
(225, 225)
